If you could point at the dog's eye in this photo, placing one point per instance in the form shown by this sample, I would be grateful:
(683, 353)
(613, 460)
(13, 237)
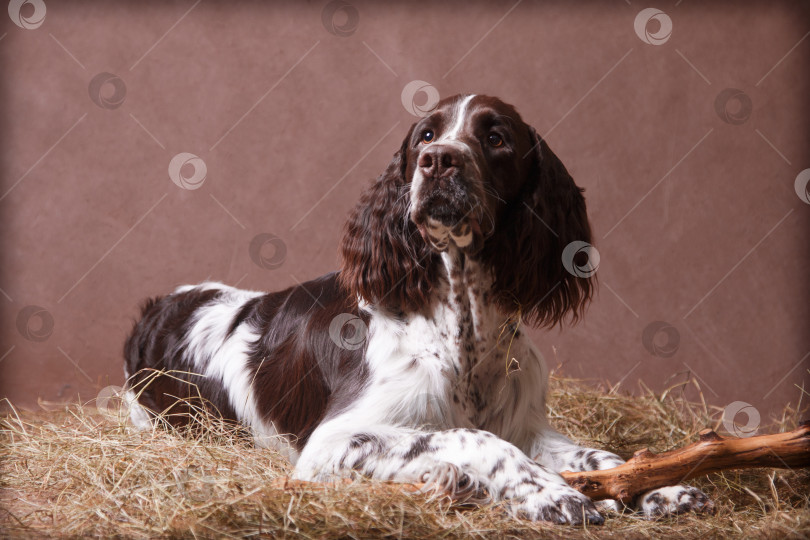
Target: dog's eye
(427, 136)
(495, 140)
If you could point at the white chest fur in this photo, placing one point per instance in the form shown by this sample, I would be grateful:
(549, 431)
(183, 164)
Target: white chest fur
(461, 364)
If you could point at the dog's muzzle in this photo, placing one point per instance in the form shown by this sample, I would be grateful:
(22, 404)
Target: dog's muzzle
(444, 212)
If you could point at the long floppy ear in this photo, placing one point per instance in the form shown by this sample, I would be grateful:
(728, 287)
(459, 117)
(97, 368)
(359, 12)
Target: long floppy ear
(385, 261)
(541, 256)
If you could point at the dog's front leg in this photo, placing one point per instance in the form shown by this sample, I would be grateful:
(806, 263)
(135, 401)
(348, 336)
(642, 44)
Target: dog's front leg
(560, 453)
(469, 464)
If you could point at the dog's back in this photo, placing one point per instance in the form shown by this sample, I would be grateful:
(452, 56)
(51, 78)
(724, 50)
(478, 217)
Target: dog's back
(211, 348)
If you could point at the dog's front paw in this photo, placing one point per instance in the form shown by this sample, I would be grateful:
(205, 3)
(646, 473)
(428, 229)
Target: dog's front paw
(609, 506)
(557, 505)
(671, 500)
(447, 479)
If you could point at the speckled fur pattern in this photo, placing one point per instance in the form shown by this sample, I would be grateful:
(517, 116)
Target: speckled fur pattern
(475, 407)
(447, 256)
(443, 394)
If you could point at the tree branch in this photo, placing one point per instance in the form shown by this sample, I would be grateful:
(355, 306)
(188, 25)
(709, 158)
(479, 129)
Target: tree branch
(647, 470)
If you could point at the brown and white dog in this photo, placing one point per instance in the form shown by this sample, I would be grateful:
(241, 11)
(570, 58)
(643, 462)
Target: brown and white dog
(409, 363)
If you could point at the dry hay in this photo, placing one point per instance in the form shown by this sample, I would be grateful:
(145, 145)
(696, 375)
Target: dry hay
(77, 472)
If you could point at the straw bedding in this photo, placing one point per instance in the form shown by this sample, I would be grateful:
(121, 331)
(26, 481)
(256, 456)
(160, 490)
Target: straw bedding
(81, 471)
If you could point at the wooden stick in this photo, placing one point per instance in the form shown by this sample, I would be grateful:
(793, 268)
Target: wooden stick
(647, 470)
(711, 453)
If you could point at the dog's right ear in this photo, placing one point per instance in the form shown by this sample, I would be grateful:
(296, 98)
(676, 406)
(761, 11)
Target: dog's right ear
(533, 251)
(385, 260)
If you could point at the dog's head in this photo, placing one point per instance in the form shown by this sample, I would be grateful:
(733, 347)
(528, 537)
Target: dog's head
(464, 163)
(471, 176)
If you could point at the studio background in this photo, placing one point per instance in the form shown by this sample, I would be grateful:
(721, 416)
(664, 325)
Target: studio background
(151, 144)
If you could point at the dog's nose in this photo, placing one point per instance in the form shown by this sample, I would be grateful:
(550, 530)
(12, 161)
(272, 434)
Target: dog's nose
(439, 161)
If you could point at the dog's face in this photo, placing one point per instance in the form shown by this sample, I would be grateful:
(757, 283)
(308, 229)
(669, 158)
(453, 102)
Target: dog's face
(465, 161)
(472, 176)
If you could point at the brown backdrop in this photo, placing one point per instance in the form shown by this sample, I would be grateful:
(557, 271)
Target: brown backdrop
(689, 144)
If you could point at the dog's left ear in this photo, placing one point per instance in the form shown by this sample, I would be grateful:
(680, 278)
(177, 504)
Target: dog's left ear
(542, 258)
(385, 261)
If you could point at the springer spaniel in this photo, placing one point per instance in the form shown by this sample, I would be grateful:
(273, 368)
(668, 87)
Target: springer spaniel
(409, 364)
